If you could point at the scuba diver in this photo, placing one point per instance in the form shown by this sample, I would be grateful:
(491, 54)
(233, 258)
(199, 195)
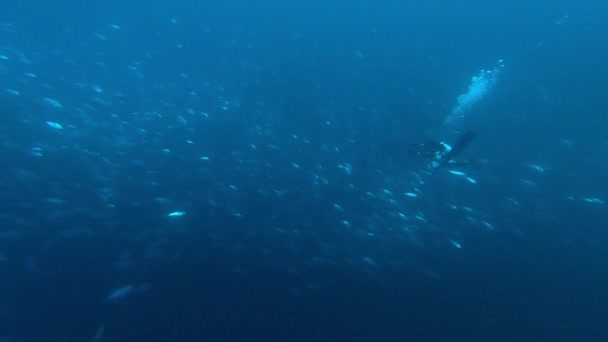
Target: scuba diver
(442, 153)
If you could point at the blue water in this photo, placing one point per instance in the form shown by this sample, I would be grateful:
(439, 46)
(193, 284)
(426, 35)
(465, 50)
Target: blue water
(239, 171)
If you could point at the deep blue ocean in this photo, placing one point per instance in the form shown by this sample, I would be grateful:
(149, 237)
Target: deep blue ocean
(245, 170)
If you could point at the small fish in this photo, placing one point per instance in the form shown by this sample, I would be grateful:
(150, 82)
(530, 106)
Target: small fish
(420, 217)
(456, 244)
(12, 92)
(176, 214)
(593, 200)
(457, 173)
(53, 103)
(538, 168)
(54, 125)
(120, 293)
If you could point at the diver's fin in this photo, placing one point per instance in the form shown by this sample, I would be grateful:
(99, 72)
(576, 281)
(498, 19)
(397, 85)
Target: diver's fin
(461, 144)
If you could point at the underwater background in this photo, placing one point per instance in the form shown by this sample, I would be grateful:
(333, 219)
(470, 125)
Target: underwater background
(240, 171)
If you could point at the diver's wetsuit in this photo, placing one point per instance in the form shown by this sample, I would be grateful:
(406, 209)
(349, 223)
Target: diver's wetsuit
(442, 153)
(461, 144)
